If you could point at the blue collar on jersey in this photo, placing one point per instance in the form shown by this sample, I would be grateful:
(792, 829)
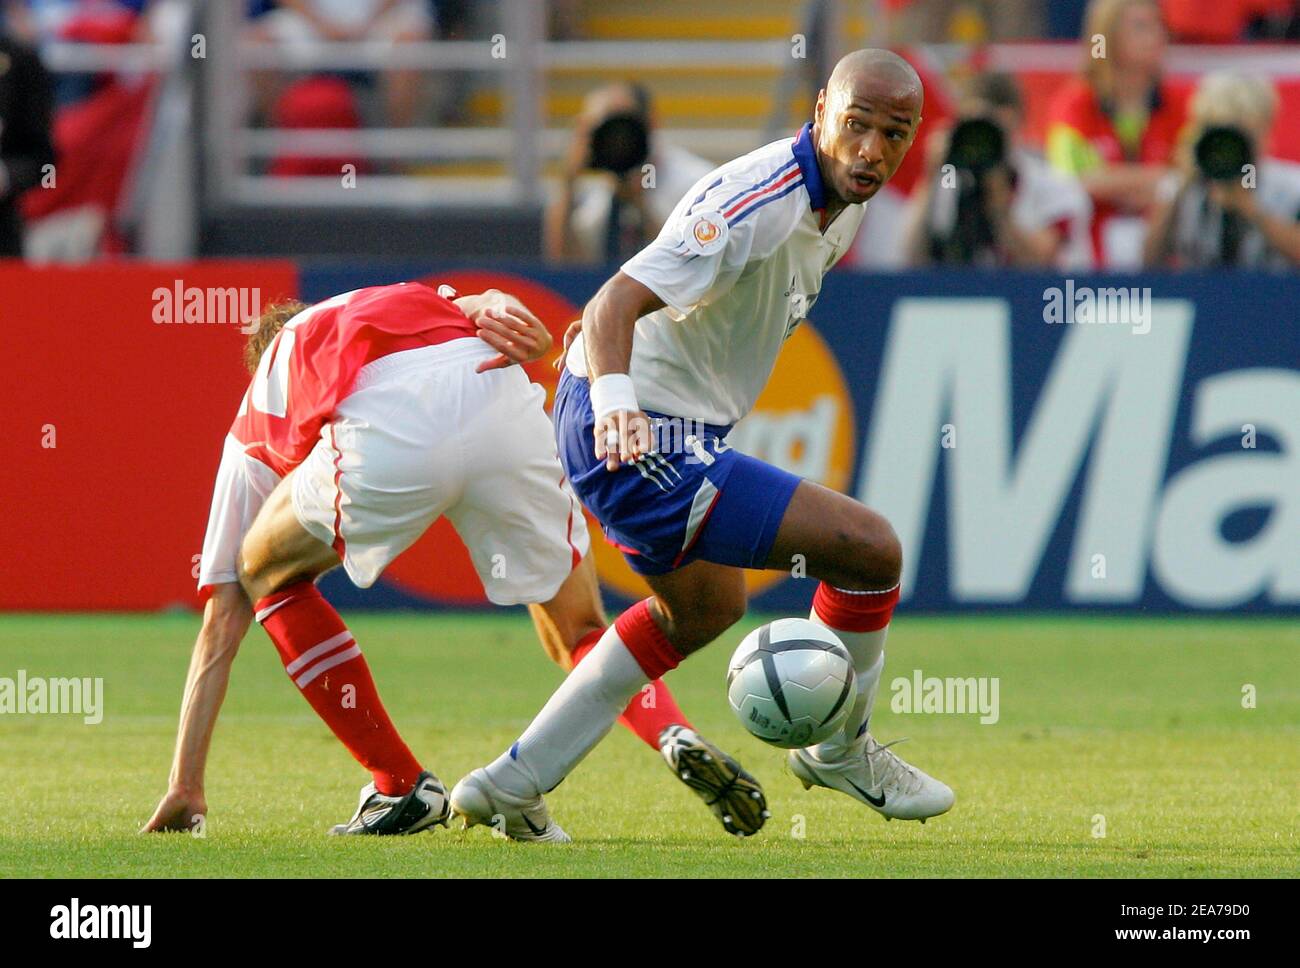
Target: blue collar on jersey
(805, 152)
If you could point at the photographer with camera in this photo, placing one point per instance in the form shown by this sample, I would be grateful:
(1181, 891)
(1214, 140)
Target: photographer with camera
(620, 181)
(988, 201)
(1229, 204)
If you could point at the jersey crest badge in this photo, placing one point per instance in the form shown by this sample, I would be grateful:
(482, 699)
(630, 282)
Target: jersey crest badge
(706, 233)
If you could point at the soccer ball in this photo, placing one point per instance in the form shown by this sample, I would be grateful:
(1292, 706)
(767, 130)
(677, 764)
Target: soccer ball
(792, 683)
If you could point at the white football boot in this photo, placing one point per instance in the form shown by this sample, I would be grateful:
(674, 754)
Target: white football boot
(878, 777)
(735, 797)
(476, 799)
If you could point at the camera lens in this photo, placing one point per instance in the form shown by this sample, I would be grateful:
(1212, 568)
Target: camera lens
(976, 144)
(1222, 153)
(620, 143)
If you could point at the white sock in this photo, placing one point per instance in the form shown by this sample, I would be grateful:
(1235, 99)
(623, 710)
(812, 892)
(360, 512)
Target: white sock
(868, 651)
(573, 721)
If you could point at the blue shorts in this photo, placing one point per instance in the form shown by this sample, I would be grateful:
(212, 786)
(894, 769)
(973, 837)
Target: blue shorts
(693, 498)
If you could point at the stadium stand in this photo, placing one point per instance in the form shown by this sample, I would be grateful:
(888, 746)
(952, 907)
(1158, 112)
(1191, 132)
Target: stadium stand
(192, 151)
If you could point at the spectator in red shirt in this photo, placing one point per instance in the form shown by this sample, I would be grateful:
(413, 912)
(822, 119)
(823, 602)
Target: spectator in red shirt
(1116, 127)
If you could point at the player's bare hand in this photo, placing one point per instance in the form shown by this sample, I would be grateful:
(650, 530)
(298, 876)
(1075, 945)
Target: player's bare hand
(570, 335)
(622, 437)
(177, 811)
(515, 333)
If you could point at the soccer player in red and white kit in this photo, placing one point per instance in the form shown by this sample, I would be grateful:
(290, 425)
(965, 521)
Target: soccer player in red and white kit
(369, 416)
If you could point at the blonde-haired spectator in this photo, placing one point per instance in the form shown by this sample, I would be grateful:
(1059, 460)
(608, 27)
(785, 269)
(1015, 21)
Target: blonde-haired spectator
(1115, 127)
(1230, 204)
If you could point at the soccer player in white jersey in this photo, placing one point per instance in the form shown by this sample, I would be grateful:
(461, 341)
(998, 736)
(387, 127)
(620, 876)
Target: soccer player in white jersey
(683, 338)
(370, 415)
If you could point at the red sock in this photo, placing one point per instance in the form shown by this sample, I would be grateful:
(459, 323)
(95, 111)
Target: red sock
(847, 611)
(651, 711)
(323, 660)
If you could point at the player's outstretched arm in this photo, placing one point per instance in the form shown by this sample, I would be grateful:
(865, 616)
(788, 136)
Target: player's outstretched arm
(608, 323)
(226, 618)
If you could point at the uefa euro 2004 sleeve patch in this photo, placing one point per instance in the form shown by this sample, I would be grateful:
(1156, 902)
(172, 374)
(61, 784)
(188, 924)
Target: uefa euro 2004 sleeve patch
(705, 233)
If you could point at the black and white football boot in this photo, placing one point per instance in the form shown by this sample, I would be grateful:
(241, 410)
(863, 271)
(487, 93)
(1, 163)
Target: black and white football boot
(425, 806)
(735, 797)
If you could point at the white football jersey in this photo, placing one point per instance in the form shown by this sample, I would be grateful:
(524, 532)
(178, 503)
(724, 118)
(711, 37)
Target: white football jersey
(738, 265)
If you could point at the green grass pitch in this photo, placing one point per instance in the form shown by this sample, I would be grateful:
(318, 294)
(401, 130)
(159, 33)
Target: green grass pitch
(1138, 721)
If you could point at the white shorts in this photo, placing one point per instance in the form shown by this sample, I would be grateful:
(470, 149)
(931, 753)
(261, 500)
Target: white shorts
(422, 435)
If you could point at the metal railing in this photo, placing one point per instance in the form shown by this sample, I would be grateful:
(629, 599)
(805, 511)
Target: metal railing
(200, 121)
(212, 94)
(519, 146)
(233, 146)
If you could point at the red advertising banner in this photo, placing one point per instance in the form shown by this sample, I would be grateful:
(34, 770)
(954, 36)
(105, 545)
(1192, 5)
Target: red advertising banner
(119, 384)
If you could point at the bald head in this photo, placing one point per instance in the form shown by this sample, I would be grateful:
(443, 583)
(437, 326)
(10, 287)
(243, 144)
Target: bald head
(866, 120)
(879, 70)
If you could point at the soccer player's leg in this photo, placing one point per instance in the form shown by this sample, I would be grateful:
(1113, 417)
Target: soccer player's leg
(280, 561)
(855, 553)
(569, 626)
(693, 605)
(630, 654)
(730, 793)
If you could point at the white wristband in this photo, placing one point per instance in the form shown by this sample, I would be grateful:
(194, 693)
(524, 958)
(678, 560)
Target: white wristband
(611, 393)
